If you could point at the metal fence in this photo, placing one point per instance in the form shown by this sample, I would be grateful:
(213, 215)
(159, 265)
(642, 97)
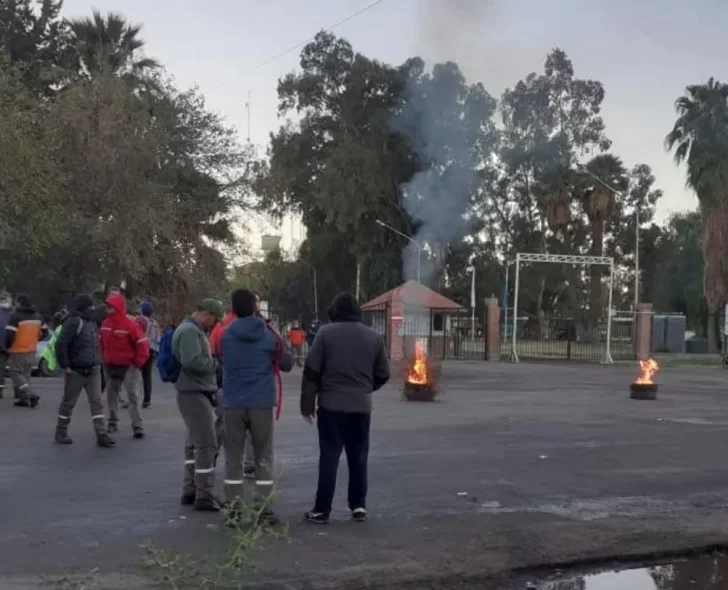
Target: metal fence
(377, 319)
(446, 333)
(575, 336)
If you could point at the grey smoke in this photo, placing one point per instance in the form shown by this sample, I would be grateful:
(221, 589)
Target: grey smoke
(437, 197)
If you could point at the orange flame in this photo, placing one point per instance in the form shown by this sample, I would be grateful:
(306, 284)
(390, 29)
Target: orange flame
(418, 369)
(648, 367)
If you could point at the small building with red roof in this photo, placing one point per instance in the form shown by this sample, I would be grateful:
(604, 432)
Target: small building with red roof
(413, 312)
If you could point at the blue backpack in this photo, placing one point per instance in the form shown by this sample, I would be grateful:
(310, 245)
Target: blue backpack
(167, 364)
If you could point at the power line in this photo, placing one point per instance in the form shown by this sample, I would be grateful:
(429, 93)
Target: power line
(302, 43)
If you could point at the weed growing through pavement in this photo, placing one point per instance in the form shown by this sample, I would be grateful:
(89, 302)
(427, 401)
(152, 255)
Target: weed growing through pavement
(245, 528)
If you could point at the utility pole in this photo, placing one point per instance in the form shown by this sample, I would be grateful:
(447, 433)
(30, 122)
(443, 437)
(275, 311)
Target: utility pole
(636, 256)
(247, 108)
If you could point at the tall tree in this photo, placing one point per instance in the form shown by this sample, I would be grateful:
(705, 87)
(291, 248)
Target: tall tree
(607, 178)
(33, 187)
(340, 166)
(551, 120)
(110, 44)
(699, 138)
(34, 37)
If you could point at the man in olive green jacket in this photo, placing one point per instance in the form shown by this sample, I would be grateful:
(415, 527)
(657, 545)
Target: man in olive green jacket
(196, 398)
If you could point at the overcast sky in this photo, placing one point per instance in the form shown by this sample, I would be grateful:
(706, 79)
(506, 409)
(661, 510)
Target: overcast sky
(644, 53)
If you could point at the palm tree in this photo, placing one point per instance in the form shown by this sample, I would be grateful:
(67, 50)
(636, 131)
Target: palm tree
(110, 44)
(700, 139)
(601, 172)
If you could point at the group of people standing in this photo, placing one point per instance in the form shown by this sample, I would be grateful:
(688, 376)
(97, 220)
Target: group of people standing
(346, 363)
(226, 370)
(107, 352)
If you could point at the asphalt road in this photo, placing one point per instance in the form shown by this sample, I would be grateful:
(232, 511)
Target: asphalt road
(517, 466)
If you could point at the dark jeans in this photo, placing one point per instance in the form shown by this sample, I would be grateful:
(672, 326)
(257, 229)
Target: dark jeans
(147, 371)
(350, 432)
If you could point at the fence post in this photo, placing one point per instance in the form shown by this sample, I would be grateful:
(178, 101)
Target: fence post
(643, 330)
(492, 329)
(395, 321)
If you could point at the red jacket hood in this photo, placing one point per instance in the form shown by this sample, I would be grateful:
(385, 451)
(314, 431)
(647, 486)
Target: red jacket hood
(118, 304)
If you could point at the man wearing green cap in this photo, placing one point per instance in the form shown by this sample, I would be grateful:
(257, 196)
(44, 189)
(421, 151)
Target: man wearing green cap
(196, 398)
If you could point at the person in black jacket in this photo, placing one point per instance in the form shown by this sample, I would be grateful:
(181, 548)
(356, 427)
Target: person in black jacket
(77, 352)
(345, 365)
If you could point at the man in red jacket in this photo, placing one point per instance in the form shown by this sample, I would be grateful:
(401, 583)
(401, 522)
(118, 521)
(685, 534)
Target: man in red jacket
(124, 350)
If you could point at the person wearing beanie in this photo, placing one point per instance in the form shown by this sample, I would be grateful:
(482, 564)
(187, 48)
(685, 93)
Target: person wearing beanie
(345, 365)
(77, 352)
(150, 327)
(24, 330)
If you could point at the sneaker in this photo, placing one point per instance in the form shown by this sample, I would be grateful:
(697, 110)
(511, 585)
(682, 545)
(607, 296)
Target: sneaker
(62, 438)
(105, 441)
(113, 428)
(146, 404)
(359, 515)
(208, 505)
(316, 517)
(187, 499)
(138, 432)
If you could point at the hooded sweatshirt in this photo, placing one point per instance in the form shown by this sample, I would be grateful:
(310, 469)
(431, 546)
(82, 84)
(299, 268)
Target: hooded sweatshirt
(346, 363)
(123, 343)
(250, 352)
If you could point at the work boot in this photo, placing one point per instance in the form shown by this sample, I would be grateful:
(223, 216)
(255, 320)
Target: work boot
(187, 499)
(105, 441)
(21, 403)
(62, 437)
(138, 432)
(209, 504)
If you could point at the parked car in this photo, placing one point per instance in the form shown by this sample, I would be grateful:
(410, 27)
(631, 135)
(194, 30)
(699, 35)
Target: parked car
(45, 363)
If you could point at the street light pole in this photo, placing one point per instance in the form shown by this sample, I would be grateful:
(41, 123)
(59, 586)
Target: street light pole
(411, 239)
(614, 191)
(636, 257)
(472, 304)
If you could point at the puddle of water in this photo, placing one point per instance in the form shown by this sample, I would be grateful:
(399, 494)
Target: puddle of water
(704, 573)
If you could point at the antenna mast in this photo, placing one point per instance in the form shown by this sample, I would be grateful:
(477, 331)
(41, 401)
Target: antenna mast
(247, 108)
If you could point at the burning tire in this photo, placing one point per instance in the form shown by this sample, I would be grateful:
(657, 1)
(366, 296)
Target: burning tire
(645, 391)
(421, 377)
(644, 388)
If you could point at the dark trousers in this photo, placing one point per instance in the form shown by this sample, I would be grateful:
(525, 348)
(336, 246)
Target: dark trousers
(350, 432)
(147, 371)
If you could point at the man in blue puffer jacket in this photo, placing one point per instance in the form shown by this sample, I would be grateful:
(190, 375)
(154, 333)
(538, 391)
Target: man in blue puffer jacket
(252, 356)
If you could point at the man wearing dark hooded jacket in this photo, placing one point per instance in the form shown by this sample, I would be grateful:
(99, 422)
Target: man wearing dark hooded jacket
(345, 365)
(77, 351)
